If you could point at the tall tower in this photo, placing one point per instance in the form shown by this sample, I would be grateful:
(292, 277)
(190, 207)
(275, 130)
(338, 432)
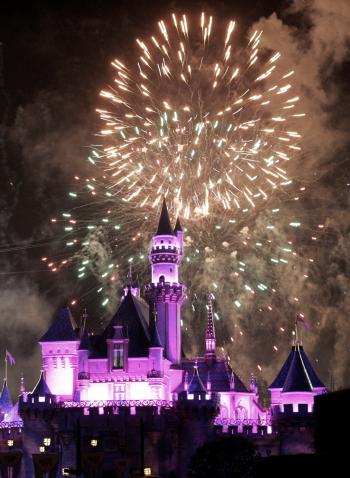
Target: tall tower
(210, 340)
(165, 290)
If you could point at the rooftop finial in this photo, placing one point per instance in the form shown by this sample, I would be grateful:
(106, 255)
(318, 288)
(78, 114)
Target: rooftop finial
(130, 275)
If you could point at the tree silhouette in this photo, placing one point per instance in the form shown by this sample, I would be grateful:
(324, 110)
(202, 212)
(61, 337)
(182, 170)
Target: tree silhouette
(228, 457)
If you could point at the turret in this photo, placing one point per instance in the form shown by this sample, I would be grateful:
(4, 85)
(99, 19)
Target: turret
(179, 235)
(210, 340)
(297, 382)
(59, 349)
(165, 291)
(41, 395)
(165, 255)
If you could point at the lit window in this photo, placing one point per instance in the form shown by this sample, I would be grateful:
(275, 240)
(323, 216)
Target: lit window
(118, 356)
(119, 392)
(147, 471)
(93, 442)
(47, 441)
(10, 443)
(42, 449)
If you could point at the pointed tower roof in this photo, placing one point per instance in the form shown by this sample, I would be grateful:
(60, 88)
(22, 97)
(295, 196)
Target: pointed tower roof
(196, 385)
(63, 328)
(164, 226)
(178, 225)
(210, 340)
(41, 389)
(5, 398)
(297, 373)
(210, 332)
(133, 316)
(153, 330)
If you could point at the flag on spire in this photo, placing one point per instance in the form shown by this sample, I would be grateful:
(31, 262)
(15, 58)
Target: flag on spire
(10, 358)
(301, 318)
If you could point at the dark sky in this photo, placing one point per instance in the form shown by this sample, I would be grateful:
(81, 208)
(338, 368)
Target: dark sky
(56, 58)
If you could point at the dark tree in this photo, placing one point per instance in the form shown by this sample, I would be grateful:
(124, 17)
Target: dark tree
(228, 457)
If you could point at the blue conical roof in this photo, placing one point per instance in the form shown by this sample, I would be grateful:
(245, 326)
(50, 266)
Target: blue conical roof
(5, 399)
(297, 373)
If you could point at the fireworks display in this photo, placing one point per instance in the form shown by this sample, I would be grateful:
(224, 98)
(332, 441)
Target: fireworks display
(199, 121)
(214, 128)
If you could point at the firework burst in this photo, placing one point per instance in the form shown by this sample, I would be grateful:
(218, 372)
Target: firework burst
(206, 124)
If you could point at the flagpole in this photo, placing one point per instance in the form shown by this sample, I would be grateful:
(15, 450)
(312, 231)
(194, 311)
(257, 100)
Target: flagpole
(6, 368)
(296, 331)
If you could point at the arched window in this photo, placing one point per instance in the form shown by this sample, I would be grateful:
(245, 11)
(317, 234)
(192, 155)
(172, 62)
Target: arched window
(118, 356)
(241, 412)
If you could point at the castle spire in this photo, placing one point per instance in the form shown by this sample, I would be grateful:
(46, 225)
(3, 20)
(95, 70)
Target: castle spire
(178, 225)
(210, 339)
(165, 289)
(22, 388)
(164, 226)
(5, 399)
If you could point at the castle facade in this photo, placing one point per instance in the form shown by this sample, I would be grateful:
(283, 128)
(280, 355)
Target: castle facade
(128, 402)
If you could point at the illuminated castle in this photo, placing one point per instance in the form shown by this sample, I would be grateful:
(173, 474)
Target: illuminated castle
(133, 381)
(139, 354)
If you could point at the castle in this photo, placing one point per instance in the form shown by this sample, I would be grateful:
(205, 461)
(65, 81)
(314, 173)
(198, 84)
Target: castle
(127, 402)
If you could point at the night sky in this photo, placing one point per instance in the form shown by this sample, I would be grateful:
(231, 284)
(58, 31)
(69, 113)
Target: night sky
(56, 58)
